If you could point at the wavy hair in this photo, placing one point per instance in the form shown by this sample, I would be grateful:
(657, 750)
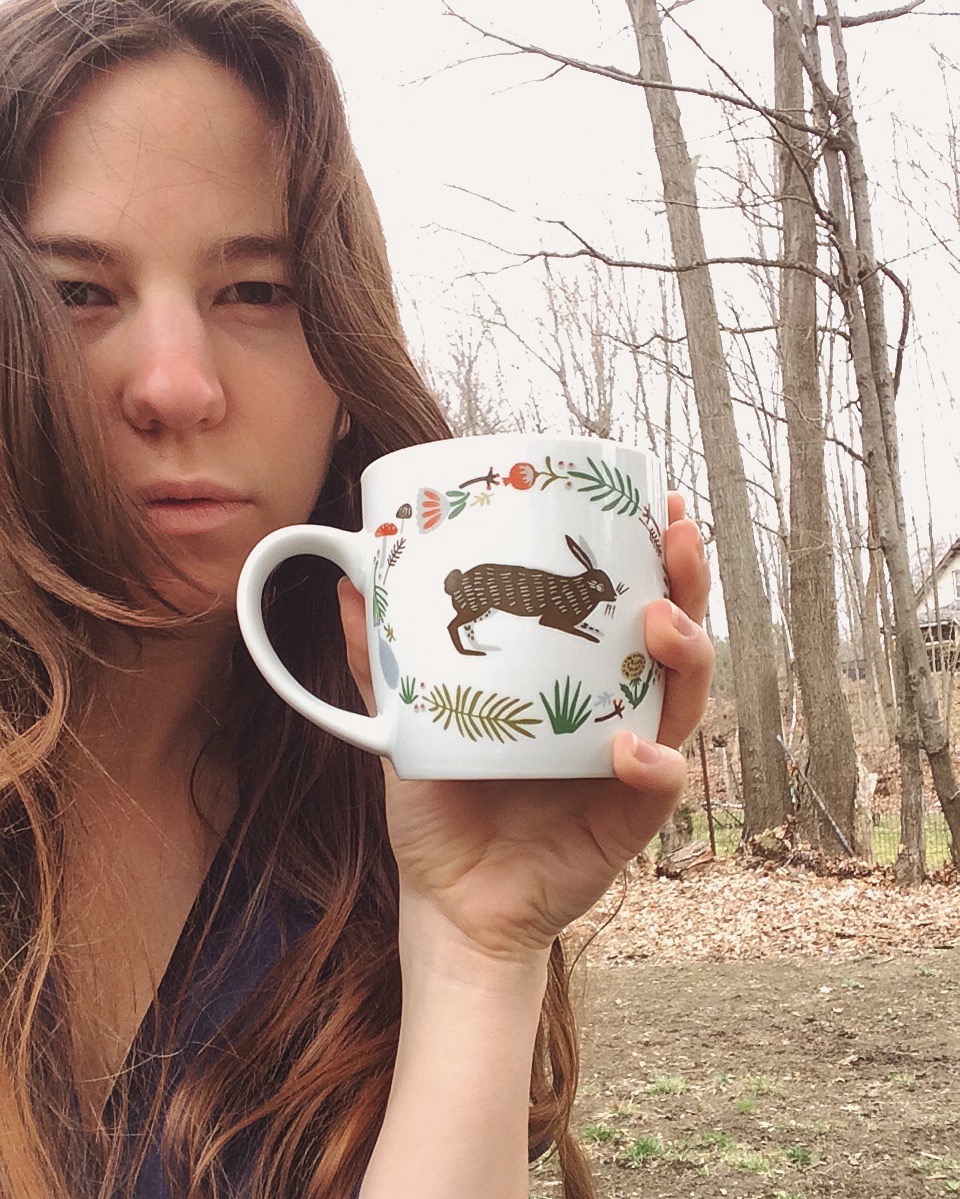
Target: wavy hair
(311, 1074)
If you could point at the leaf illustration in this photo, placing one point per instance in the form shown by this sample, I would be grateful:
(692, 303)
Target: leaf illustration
(496, 718)
(610, 485)
(458, 501)
(567, 713)
(379, 604)
(396, 552)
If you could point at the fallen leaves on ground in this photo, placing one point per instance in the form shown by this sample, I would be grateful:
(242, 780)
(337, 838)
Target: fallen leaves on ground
(735, 910)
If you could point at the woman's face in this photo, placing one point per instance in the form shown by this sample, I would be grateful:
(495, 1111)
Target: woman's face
(158, 210)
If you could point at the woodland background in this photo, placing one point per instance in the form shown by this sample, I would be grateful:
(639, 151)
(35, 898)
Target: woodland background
(729, 229)
(763, 296)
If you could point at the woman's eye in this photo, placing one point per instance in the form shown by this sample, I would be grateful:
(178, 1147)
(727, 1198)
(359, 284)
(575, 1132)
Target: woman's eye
(76, 294)
(257, 293)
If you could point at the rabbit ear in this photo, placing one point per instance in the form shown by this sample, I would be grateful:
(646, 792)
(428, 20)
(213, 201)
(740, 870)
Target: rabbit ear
(583, 555)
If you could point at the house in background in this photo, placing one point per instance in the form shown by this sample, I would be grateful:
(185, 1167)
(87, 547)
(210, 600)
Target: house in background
(938, 611)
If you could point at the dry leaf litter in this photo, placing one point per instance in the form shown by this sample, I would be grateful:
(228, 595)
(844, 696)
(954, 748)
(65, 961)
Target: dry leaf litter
(750, 909)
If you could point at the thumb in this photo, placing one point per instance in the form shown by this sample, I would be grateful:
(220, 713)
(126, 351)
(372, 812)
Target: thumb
(354, 619)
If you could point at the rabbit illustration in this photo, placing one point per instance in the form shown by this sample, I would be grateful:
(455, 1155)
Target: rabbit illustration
(557, 601)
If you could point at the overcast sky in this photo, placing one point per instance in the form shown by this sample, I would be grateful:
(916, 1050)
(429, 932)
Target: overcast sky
(438, 113)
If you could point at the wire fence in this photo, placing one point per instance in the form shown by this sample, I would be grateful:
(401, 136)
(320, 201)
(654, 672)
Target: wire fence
(728, 830)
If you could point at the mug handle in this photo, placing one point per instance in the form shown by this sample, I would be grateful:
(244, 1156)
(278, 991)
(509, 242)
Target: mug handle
(373, 733)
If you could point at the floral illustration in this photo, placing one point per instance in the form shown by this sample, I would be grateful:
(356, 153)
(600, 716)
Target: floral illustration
(638, 683)
(490, 586)
(522, 476)
(432, 509)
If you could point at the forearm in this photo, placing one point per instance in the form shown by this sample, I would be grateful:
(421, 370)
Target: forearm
(456, 1119)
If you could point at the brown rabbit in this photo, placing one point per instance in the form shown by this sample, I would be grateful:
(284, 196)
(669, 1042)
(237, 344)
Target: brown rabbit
(558, 601)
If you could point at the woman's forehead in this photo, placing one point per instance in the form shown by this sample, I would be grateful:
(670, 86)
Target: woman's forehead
(171, 137)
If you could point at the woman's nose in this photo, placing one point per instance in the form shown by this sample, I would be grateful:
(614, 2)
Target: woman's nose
(171, 377)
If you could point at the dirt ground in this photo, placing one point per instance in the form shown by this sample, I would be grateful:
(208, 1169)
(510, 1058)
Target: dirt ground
(787, 1076)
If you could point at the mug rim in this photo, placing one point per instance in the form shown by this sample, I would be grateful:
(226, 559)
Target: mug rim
(479, 440)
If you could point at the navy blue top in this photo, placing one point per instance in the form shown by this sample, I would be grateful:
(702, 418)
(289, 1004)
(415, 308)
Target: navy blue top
(204, 1010)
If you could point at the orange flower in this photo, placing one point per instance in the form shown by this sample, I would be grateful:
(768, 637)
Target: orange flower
(432, 507)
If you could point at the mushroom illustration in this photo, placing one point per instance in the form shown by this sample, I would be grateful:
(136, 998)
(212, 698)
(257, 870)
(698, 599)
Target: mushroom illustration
(383, 532)
(404, 512)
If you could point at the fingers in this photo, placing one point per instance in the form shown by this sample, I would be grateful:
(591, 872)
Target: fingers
(354, 620)
(687, 569)
(676, 507)
(684, 649)
(658, 773)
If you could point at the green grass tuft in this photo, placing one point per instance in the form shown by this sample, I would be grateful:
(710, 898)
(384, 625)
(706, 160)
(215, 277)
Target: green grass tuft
(644, 1149)
(666, 1084)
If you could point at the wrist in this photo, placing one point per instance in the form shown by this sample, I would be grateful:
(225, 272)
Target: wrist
(433, 946)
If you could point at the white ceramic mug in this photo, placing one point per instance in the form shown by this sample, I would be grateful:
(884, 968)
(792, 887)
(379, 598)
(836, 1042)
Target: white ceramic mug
(506, 579)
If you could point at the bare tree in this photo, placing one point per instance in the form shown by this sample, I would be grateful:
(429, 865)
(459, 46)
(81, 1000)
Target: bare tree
(748, 610)
(831, 771)
(860, 289)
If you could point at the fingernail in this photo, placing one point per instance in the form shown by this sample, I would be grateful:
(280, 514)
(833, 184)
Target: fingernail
(646, 752)
(683, 624)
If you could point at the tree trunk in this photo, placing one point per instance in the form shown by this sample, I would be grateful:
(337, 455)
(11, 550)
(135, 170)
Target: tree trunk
(832, 763)
(748, 610)
(883, 458)
(878, 424)
(877, 667)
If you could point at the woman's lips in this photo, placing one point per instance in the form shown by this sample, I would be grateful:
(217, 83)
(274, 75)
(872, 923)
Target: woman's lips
(182, 517)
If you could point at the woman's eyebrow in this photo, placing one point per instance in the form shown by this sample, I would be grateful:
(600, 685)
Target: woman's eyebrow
(244, 248)
(73, 248)
(248, 247)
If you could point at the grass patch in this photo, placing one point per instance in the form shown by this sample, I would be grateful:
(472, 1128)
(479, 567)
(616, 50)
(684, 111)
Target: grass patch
(940, 1164)
(666, 1084)
(624, 1109)
(600, 1133)
(751, 1161)
(644, 1149)
(726, 829)
(886, 839)
(744, 1106)
(715, 1140)
(756, 1085)
(800, 1157)
(904, 1079)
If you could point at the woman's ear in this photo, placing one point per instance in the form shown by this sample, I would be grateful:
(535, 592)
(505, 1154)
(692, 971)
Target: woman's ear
(342, 427)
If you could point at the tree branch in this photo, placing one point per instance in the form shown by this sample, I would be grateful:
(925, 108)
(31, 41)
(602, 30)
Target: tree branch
(904, 324)
(635, 80)
(672, 268)
(870, 18)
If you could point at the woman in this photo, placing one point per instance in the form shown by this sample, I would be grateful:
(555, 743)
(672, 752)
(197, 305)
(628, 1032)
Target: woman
(221, 975)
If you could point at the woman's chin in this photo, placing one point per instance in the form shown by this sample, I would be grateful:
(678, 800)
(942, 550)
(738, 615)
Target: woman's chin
(205, 599)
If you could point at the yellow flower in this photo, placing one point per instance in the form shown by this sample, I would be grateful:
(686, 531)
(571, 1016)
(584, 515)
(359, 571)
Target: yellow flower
(633, 666)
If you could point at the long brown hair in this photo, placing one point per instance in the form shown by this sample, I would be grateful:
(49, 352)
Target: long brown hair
(309, 1075)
